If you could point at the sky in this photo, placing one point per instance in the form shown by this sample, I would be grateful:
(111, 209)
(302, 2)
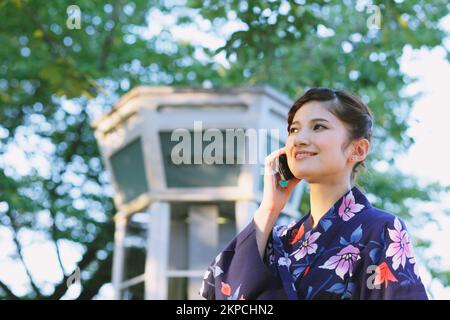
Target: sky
(428, 159)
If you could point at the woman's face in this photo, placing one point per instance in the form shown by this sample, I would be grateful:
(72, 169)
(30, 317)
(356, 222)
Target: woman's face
(316, 130)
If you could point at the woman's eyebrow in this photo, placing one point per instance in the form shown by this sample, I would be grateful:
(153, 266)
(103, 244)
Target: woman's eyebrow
(312, 120)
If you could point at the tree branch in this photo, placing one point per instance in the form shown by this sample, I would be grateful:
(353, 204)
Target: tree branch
(55, 241)
(53, 196)
(9, 294)
(106, 46)
(98, 279)
(54, 47)
(108, 228)
(88, 257)
(19, 251)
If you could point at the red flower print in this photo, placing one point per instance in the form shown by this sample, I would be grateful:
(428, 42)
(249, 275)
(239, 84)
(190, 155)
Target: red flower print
(306, 271)
(297, 234)
(226, 289)
(384, 274)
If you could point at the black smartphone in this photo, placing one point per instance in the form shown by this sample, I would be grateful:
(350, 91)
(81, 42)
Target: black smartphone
(283, 168)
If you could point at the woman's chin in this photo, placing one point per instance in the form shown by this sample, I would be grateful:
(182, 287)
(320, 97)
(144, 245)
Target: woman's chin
(300, 176)
(304, 175)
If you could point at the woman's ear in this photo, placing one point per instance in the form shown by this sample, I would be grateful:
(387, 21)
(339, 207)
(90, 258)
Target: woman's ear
(360, 150)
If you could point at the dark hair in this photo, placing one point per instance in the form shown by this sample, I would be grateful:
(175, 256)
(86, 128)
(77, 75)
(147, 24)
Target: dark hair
(348, 108)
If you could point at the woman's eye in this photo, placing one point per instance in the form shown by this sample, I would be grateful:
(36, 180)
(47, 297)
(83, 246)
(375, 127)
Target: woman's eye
(319, 125)
(291, 130)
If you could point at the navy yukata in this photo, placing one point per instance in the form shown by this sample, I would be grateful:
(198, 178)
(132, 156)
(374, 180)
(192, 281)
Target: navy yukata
(355, 252)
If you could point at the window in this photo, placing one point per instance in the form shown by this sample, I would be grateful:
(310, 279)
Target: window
(135, 245)
(134, 292)
(199, 175)
(129, 171)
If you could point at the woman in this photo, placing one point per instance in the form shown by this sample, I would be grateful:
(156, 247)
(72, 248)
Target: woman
(343, 248)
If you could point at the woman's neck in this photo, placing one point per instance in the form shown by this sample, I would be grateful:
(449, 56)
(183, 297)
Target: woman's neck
(323, 196)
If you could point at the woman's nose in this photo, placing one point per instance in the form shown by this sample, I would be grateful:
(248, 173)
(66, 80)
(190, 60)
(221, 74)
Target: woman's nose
(301, 139)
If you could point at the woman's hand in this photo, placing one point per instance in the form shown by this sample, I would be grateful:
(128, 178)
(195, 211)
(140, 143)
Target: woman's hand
(274, 200)
(275, 197)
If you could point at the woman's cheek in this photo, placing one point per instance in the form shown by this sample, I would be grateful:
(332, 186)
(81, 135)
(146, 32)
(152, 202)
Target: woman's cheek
(289, 144)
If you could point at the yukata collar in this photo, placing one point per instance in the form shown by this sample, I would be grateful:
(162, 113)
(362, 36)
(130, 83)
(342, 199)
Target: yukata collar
(345, 208)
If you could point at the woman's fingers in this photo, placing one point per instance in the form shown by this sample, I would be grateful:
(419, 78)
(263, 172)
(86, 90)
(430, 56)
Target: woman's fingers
(269, 161)
(274, 194)
(271, 157)
(270, 168)
(270, 171)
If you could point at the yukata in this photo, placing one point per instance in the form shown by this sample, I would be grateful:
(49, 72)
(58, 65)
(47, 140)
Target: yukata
(356, 251)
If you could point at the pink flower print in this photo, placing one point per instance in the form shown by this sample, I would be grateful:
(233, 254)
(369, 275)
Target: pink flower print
(400, 248)
(308, 245)
(343, 262)
(349, 207)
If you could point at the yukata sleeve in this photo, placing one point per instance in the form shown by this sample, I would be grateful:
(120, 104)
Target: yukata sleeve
(238, 272)
(389, 269)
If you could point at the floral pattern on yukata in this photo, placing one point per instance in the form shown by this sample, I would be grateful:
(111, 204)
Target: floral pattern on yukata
(356, 251)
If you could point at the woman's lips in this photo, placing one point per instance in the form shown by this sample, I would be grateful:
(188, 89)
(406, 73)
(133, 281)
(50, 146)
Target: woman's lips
(304, 155)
